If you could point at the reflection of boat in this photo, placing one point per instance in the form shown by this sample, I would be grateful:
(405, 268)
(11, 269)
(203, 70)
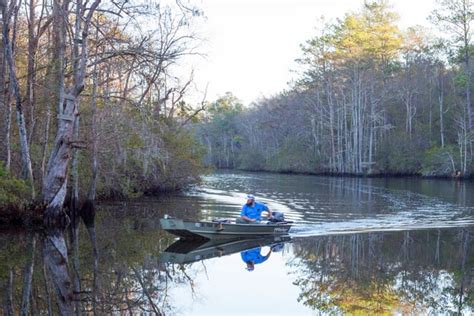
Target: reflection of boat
(187, 251)
(222, 229)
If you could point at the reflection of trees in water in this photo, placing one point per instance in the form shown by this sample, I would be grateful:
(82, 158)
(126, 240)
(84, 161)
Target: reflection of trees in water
(408, 272)
(113, 268)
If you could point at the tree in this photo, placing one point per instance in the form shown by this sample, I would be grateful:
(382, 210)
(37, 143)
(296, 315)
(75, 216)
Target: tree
(10, 12)
(457, 17)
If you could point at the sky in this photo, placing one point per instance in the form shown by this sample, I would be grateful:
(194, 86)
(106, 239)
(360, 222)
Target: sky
(250, 45)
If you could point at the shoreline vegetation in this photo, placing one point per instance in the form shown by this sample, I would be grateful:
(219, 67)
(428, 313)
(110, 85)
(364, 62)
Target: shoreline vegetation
(15, 211)
(97, 101)
(102, 115)
(371, 99)
(100, 111)
(454, 176)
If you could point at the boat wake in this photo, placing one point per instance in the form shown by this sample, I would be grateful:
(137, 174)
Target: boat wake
(367, 226)
(364, 209)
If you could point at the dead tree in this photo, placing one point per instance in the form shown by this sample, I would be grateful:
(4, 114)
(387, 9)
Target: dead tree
(55, 180)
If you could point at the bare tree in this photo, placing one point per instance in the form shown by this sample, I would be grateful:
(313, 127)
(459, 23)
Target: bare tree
(55, 181)
(10, 12)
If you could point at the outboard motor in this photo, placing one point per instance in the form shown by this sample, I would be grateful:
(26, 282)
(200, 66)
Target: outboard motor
(277, 217)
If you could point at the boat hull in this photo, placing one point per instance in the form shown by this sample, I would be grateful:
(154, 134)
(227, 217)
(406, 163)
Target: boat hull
(213, 230)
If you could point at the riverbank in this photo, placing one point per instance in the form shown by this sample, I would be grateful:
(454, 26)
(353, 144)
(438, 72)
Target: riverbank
(21, 215)
(21, 212)
(356, 175)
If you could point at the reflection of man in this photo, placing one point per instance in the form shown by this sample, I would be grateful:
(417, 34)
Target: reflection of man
(253, 256)
(252, 211)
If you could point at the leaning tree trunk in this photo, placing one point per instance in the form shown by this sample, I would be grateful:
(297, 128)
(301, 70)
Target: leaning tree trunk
(55, 180)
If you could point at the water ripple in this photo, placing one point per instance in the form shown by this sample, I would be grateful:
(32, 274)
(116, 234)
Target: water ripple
(323, 205)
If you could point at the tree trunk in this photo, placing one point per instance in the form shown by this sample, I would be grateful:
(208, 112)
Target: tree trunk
(75, 172)
(75, 162)
(25, 151)
(45, 141)
(4, 105)
(441, 107)
(31, 74)
(332, 157)
(468, 83)
(371, 126)
(91, 195)
(8, 146)
(55, 181)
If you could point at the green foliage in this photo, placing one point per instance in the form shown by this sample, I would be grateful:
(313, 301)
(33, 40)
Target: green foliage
(134, 141)
(370, 99)
(251, 159)
(169, 158)
(399, 155)
(370, 35)
(291, 157)
(220, 131)
(460, 79)
(184, 163)
(13, 192)
(226, 105)
(438, 161)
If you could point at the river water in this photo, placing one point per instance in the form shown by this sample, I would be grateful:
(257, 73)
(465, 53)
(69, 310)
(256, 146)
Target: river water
(392, 246)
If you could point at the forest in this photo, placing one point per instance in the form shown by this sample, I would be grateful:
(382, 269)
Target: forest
(95, 101)
(369, 99)
(98, 102)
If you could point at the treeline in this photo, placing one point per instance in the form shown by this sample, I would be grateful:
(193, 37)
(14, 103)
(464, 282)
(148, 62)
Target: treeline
(91, 102)
(370, 99)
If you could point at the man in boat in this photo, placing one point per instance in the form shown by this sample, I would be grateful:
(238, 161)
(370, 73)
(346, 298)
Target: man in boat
(251, 212)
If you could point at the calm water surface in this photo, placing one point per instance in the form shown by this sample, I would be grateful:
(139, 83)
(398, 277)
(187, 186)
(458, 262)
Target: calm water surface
(359, 246)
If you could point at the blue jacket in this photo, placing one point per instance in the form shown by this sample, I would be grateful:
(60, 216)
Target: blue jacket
(254, 211)
(253, 255)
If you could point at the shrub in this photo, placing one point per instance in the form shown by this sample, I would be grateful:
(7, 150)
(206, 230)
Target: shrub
(439, 161)
(13, 191)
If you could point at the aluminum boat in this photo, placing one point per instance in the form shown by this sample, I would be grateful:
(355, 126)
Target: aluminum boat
(222, 229)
